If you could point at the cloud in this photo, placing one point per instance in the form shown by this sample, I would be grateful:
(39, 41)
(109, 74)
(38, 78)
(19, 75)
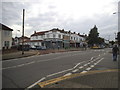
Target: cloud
(75, 15)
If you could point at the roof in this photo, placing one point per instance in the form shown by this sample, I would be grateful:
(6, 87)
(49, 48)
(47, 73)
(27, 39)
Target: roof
(39, 33)
(24, 37)
(43, 32)
(3, 27)
(36, 40)
(56, 29)
(82, 35)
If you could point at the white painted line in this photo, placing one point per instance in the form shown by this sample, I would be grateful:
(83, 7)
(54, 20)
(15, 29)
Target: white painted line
(80, 67)
(20, 65)
(88, 69)
(18, 59)
(92, 66)
(36, 82)
(88, 63)
(58, 72)
(30, 62)
(85, 64)
(67, 74)
(77, 65)
(9, 67)
(95, 63)
(75, 70)
(91, 58)
(83, 71)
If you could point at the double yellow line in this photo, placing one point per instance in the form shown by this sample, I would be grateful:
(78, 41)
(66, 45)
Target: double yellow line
(48, 82)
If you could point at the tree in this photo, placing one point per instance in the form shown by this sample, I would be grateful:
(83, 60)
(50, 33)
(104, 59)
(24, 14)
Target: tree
(101, 40)
(93, 37)
(112, 42)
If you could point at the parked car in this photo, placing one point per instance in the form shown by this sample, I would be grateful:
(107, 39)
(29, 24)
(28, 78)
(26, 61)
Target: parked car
(40, 47)
(33, 47)
(24, 47)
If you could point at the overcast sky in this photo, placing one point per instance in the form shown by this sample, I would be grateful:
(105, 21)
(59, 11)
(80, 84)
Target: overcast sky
(75, 15)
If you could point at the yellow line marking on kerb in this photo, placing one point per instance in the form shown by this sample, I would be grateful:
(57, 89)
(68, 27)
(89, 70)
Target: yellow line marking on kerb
(48, 82)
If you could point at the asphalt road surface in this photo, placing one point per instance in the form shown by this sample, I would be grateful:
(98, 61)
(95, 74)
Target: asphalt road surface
(27, 72)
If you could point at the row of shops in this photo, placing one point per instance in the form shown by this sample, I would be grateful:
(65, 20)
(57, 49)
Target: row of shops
(61, 44)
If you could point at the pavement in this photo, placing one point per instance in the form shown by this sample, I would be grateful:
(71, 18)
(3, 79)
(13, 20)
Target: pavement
(91, 79)
(18, 54)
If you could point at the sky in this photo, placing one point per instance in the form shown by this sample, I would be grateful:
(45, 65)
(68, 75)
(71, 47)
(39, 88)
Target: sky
(75, 15)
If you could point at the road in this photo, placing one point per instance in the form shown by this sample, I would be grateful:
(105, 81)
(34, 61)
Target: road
(27, 72)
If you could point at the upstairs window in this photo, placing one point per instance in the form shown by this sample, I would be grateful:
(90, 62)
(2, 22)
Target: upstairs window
(47, 35)
(54, 35)
(59, 36)
(36, 37)
(6, 33)
(74, 38)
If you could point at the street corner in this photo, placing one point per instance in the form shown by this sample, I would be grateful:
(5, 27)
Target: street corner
(75, 80)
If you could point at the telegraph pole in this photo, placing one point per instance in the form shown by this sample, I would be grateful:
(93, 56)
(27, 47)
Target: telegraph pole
(23, 32)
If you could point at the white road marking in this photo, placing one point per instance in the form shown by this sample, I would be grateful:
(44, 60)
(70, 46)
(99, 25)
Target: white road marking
(88, 69)
(67, 74)
(83, 71)
(30, 63)
(75, 70)
(18, 65)
(9, 67)
(80, 67)
(58, 73)
(85, 64)
(78, 64)
(88, 63)
(92, 66)
(21, 65)
(95, 63)
(91, 58)
(36, 82)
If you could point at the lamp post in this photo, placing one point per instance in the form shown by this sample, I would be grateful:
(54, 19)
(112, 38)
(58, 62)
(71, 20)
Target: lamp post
(23, 33)
(118, 23)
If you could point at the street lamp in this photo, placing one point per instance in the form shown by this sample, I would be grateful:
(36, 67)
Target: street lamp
(23, 33)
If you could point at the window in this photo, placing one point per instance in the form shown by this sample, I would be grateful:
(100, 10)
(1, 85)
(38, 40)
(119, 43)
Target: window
(54, 35)
(47, 35)
(59, 36)
(36, 37)
(6, 43)
(74, 38)
(7, 33)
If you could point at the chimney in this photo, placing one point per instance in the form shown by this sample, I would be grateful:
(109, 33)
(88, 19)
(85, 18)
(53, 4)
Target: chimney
(69, 31)
(62, 29)
(74, 32)
(78, 33)
(34, 32)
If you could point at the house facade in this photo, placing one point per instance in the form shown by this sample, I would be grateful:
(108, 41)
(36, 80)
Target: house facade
(56, 38)
(19, 40)
(6, 37)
